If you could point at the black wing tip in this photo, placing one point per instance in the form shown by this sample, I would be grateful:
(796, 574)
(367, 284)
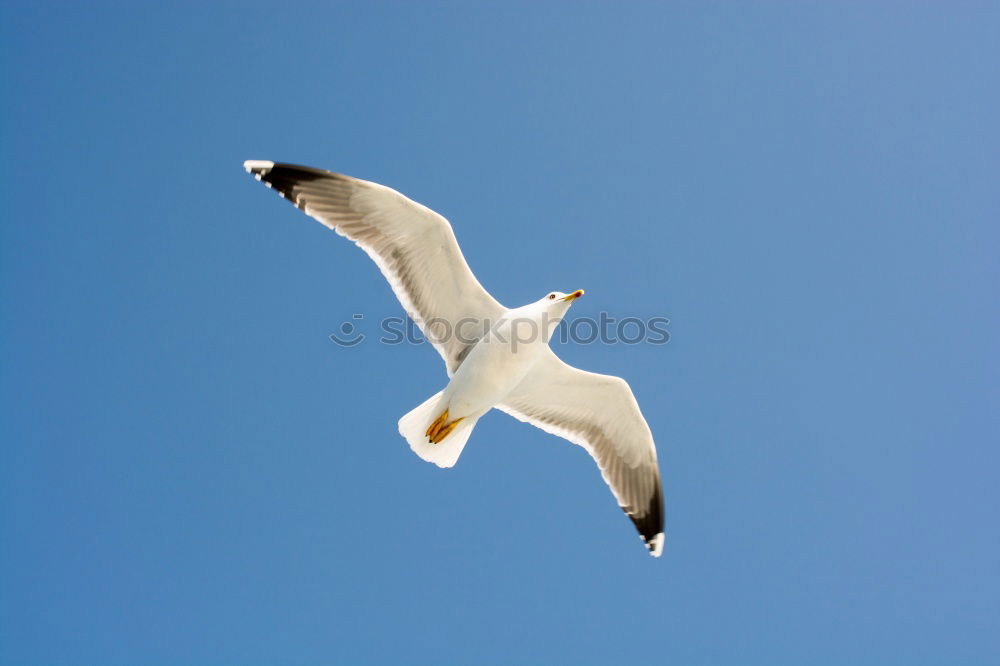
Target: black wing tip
(266, 171)
(282, 178)
(649, 523)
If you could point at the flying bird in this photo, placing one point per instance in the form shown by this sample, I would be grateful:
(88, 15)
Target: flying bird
(496, 357)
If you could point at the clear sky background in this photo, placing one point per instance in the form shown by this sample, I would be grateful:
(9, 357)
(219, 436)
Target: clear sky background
(192, 472)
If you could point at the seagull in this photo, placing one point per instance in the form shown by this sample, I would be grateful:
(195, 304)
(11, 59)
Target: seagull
(496, 357)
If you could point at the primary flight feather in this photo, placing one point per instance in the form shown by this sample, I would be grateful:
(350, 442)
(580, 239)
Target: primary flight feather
(416, 250)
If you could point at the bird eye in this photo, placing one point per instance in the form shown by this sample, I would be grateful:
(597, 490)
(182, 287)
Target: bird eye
(551, 296)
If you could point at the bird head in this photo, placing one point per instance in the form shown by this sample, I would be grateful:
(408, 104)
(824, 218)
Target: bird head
(553, 307)
(558, 301)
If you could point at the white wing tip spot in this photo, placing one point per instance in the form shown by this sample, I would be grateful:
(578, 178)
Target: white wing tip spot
(258, 167)
(655, 545)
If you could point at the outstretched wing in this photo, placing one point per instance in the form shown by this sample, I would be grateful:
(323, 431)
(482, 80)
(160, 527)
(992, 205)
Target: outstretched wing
(599, 413)
(414, 247)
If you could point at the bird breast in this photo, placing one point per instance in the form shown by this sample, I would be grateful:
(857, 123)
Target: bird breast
(494, 367)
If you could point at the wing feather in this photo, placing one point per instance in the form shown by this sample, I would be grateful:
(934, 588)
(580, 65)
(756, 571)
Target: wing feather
(599, 413)
(414, 247)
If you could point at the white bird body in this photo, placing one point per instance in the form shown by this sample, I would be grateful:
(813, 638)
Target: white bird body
(508, 365)
(492, 370)
(499, 361)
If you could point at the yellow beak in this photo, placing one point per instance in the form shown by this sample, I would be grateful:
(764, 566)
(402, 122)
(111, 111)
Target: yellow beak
(575, 295)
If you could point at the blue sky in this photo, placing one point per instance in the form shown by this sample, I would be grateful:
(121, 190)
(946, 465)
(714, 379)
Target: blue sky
(191, 472)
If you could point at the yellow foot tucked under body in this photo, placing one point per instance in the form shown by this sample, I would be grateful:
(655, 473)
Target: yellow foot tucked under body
(439, 423)
(441, 427)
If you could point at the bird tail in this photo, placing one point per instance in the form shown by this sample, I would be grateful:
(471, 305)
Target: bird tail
(414, 425)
